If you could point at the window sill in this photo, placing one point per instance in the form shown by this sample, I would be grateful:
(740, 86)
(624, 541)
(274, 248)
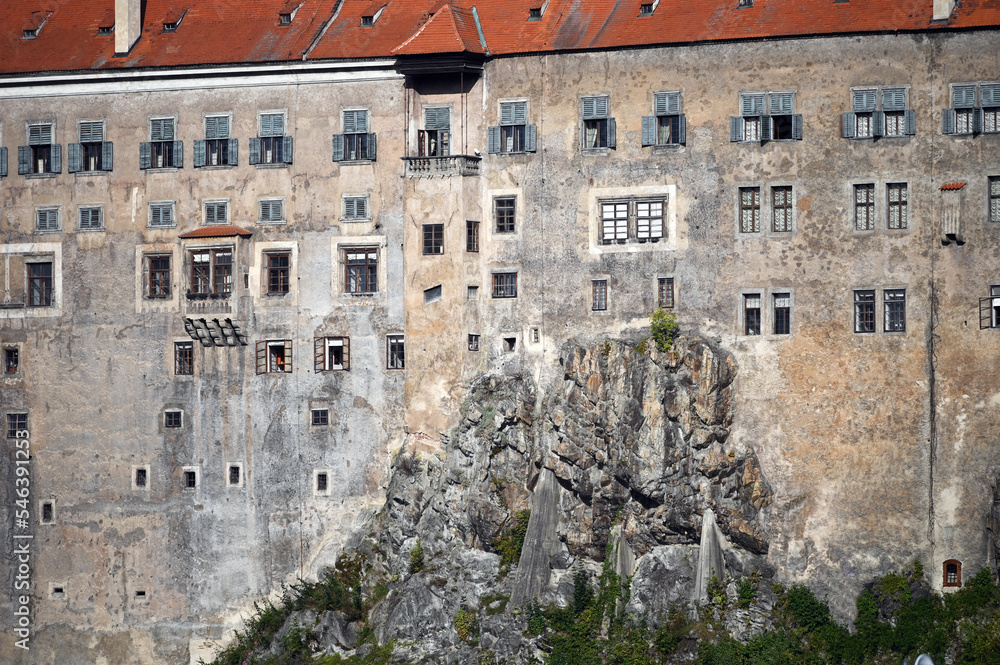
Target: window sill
(100, 230)
(47, 231)
(272, 222)
(270, 294)
(668, 147)
(356, 219)
(216, 167)
(162, 169)
(102, 172)
(35, 176)
(161, 298)
(596, 151)
(208, 296)
(282, 165)
(356, 162)
(162, 226)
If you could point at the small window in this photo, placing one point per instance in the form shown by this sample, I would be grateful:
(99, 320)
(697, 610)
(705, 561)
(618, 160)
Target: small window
(172, 418)
(48, 512)
(898, 215)
(360, 270)
(30, 33)
(216, 212)
(140, 477)
(183, 358)
(665, 292)
(473, 342)
(894, 303)
(432, 294)
(994, 198)
(505, 285)
(598, 127)
(513, 134)
(667, 125)
(504, 212)
(158, 276)
(141, 595)
(190, 479)
(234, 476)
(991, 309)
(271, 146)
(17, 423)
(433, 238)
(271, 211)
(472, 293)
(274, 356)
(322, 479)
(91, 218)
(161, 214)
(471, 236)
(536, 335)
(278, 271)
(320, 417)
(509, 344)
(781, 209)
(47, 219)
(58, 592)
(286, 19)
(161, 151)
(751, 314)
(367, 21)
(355, 207)
(646, 9)
(599, 293)
(395, 352)
(864, 207)
(749, 209)
(41, 155)
(332, 354)
(40, 284)
(11, 360)
(864, 311)
(782, 313)
(534, 14)
(952, 573)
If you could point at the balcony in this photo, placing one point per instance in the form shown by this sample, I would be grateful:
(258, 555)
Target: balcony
(451, 165)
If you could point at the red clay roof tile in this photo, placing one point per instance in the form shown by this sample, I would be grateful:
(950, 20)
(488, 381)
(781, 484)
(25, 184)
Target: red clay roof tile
(219, 231)
(952, 186)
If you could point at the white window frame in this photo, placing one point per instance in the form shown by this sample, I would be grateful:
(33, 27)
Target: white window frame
(271, 200)
(238, 465)
(47, 209)
(205, 203)
(173, 215)
(197, 477)
(344, 217)
(100, 225)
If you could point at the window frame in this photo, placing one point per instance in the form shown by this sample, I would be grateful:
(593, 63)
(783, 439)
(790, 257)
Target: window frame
(395, 351)
(474, 342)
(269, 361)
(100, 217)
(46, 295)
(870, 205)
(152, 284)
(894, 310)
(504, 284)
(92, 154)
(277, 277)
(472, 235)
(319, 417)
(434, 140)
(631, 227)
(902, 205)
(269, 204)
(17, 421)
(864, 311)
(271, 148)
(173, 419)
(599, 294)
(504, 215)
(164, 153)
(752, 325)
(161, 206)
(753, 207)
(219, 151)
(993, 199)
(369, 270)
(350, 208)
(215, 276)
(215, 206)
(598, 119)
(184, 358)
(47, 227)
(432, 243)
(323, 358)
(871, 108)
(666, 292)
(788, 206)
(780, 321)
(43, 158)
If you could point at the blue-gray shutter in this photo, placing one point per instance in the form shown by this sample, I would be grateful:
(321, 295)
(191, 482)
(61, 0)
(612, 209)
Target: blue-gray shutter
(682, 128)
(909, 122)
(338, 147)
(371, 146)
(595, 108)
(493, 142)
(601, 107)
(893, 99)
(531, 139)
(864, 101)
(878, 123)
(56, 159)
(735, 129)
(977, 120)
(350, 122)
(272, 124)
(286, 149)
(948, 121)
(751, 105)
(23, 159)
(255, 149)
(199, 153)
(506, 115)
(797, 126)
(648, 130)
(217, 127)
(107, 156)
(990, 95)
(765, 128)
(91, 132)
(179, 154)
(666, 103)
(963, 96)
(39, 134)
(360, 123)
(437, 119)
(3, 162)
(161, 129)
(520, 113)
(780, 103)
(361, 207)
(588, 107)
(612, 133)
(145, 155)
(234, 151)
(847, 125)
(75, 158)
(210, 213)
(349, 209)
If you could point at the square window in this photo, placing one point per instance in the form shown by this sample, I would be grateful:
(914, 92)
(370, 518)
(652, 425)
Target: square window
(782, 313)
(183, 358)
(320, 417)
(161, 214)
(216, 212)
(360, 270)
(504, 212)
(271, 211)
(665, 292)
(751, 314)
(278, 271)
(11, 360)
(749, 209)
(781, 209)
(599, 293)
(332, 354)
(17, 424)
(356, 208)
(172, 418)
(471, 236)
(509, 344)
(158, 276)
(864, 207)
(274, 356)
(896, 195)
(47, 219)
(91, 218)
(211, 272)
(433, 238)
(894, 303)
(432, 294)
(505, 285)
(473, 342)
(864, 311)
(472, 293)
(395, 352)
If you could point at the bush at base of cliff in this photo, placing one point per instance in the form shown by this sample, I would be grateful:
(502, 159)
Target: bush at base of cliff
(663, 325)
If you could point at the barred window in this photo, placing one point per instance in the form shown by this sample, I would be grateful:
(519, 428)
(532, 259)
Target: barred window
(864, 207)
(994, 183)
(864, 311)
(183, 358)
(894, 302)
(897, 205)
(505, 285)
(751, 314)
(781, 209)
(599, 287)
(16, 422)
(749, 209)
(395, 352)
(665, 292)
(782, 313)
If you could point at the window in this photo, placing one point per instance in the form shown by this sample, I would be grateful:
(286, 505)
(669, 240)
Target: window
(158, 276)
(216, 212)
(395, 352)
(356, 143)
(514, 134)
(286, 19)
(235, 475)
(535, 335)
(331, 354)
(766, 117)
(47, 219)
(92, 153)
(278, 267)
(183, 358)
(966, 115)
(211, 272)
(647, 8)
(272, 146)
(894, 303)
(994, 196)
(896, 195)
(271, 210)
(190, 479)
(161, 214)
(172, 419)
(599, 293)
(781, 209)
(274, 356)
(91, 218)
(472, 293)
(504, 212)
(864, 311)
(40, 284)
(320, 417)
(864, 207)
(473, 342)
(140, 478)
(472, 235)
(631, 219)
(16, 422)
(361, 270)
(48, 513)
(217, 149)
(322, 482)
(952, 573)
(505, 285)
(433, 140)
(665, 292)
(41, 155)
(11, 359)
(749, 209)
(989, 309)
(874, 115)
(509, 344)
(356, 208)
(433, 238)
(782, 313)
(598, 128)
(534, 13)
(751, 314)
(161, 151)
(432, 294)
(667, 125)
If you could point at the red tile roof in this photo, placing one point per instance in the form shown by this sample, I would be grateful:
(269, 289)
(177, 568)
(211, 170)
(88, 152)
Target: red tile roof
(217, 231)
(952, 186)
(247, 31)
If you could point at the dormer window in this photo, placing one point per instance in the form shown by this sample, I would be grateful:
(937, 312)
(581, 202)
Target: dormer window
(284, 19)
(367, 21)
(38, 19)
(173, 21)
(104, 31)
(171, 27)
(535, 14)
(647, 8)
(287, 13)
(744, 3)
(30, 34)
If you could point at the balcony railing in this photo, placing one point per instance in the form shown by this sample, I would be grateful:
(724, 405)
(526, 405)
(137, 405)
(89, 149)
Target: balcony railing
(425, 167)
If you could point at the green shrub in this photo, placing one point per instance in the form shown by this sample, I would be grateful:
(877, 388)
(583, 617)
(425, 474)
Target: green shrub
(663, 324)
(807, 612)
(467, 625)
(417, 558)
(510, 541)
(746, 590)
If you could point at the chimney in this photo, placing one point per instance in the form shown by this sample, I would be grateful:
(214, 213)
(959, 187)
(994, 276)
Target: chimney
(128, 24)
(943, 9)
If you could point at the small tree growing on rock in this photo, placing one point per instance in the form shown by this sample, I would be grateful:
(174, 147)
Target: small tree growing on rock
(663, 324)
(417, 558)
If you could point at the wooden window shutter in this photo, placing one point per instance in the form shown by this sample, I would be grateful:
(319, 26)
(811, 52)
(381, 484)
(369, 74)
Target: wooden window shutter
(347, 353)
(507, 113)
(531, 139)
(371, 146)
(3, 162)
(893, 99)
(797, 126)
(361, 122)
(39, 134)
(682, 128)
(288, 356)
(261, 357)
(948, 121)
(286, 150)
(735, 129)
(977, 120)
(338, 147)
(601, 107)
(493, 144)
(199, 152)
(350, 122)
(23, 159)
(254, 150)
(234, 150)
(107, 156)
(520, 113)
(56, 160)
(272, 124)
(963, 96)
(217, 127)
(145, 155)
(878, 123)
(612, 133)
(648, 130)
(909, 122)
(990, 95)
(319, 354)
(75, 158)
(161, 129)
(864, 101)
(781, 103)
(847, 125)
(349, 209)
(751, 105)
(589, 107)
(765, 128)
(91, 132)
(179, 154)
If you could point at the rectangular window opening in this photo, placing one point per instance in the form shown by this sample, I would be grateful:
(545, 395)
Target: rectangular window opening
(864, 207)
(471, 236)
(320, 417)
(433, 238)
(864, 311)
(48, 512)
(782, 313)
(749, 209)
(395, 352)
(11, 360)
(360, 270)
(665, 292)
(751, 314)
(16, 422)
(504, 209)
(235, 475)
(599, 289)
(473, 342)
(894, 302)
(172, 418)
(505, 285)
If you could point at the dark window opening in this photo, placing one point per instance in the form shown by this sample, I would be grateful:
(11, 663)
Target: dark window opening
(668, 129)
(509, 343)
(274, 356)
(140, 595)
(320, 417)
(782, 313)
(331, 353)
(473, 342)
(272, 150)
(864, 311)
(751, 314)
(432, 294)
(595, 133)
(599, 288)
(433, 143)
(171, 418)
(278, 267)
(646, 9)
(367, 21)
(361, 270)
(58, 592)
(322, 482)
(433, 238)
(40, 284)
(141, 477)
(781, 127)
(284, 19)
(472, 293)
(953, 573)
(512, 138)
(234, 474)
(16, 422)
(395, 352)
(183, 358)
(47, 512)
(159, 277)
(190, 479)
(11, 360)
(471, 236)
(535, 14)
(665, 292)
(505, 285)
(505, 214)
(894, 301)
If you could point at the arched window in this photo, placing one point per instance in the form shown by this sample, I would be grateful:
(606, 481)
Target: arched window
(952, 572)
